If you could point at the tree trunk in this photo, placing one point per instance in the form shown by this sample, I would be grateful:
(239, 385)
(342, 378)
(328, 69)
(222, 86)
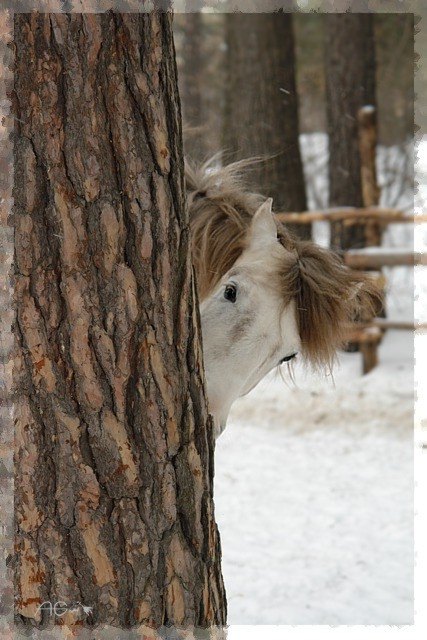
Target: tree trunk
(350, 85)
(261, 106)
(114, 457)
(192, 83)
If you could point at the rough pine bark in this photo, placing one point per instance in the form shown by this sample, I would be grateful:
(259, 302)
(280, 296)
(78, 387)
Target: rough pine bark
(350, 85)
(261, 106)
(114, 447)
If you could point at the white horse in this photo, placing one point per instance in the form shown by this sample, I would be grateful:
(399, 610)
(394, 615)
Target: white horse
(265, 296)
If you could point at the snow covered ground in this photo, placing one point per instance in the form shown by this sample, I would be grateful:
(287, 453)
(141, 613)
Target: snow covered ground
(314, 485)
(314, 497)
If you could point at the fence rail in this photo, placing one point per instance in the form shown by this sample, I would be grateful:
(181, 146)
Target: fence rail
(394, 325)
(353, 215)
(375, 258)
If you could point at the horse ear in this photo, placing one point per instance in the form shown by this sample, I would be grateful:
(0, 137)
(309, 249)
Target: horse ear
(263, 227)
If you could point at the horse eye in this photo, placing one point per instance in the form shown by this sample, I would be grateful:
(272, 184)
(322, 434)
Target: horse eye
(230, 293)
(287, 358)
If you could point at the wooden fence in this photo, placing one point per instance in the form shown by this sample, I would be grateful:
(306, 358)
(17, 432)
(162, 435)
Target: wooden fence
(368, 335)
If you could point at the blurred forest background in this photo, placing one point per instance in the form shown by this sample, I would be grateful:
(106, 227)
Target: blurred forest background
(202, 40)
(290, 86)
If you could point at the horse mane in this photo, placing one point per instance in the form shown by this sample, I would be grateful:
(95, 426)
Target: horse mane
(328, 296)
(220, 211)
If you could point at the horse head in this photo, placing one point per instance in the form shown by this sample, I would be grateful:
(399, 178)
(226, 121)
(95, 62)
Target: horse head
(266, 297)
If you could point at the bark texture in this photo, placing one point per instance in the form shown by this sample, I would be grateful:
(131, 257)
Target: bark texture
(114, 457)
(350, 85)
(261, 106)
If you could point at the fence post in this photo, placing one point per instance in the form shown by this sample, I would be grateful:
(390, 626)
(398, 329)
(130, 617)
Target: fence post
(367, 129)
(367, 122)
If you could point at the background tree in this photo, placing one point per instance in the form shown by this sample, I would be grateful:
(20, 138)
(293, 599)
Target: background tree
(394, 61)
(199, 39)
(350, 84)
(394, 39)
(191, 85)
(261, 105)
(114, 459)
